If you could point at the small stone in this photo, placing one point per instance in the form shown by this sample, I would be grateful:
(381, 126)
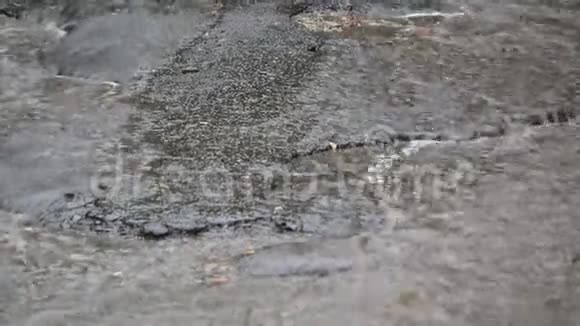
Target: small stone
(156, 230)
(535, 120)
(249, 252)
(189, 70)
(488, 131)
(134, 223)
(423, 31)
(112, 217)
(79, 258)
(312, 48)
(216, 281)
(69, 27)
(75, 219)
(285, 224)
(518, 117)
(34, 115)
(188, 227)
(69, 196)
(100, 228)
(576, 259)
(562, 115)
(93, 215)
(402, 137)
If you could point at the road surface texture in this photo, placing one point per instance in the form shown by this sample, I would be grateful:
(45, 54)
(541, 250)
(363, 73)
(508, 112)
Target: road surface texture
(284, 163)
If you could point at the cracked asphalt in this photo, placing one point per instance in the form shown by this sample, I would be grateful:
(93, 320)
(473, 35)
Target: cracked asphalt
(400, 163)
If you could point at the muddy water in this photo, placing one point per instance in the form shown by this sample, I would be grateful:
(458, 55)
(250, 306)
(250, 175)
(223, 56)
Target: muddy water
(479, 227)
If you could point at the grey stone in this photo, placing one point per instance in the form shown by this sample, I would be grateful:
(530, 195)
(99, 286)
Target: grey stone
(189, 70)
(113, 217)
(488, 131)
(75, 219)
(155, 229)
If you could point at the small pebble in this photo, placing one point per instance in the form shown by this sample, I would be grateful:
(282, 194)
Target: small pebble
(217, 281)
(535, 120)
(249, 252)
(423, 31)
(112, 217)
(562, 115)
(156, 230)
(75, 219)
(189, 70)
(489, 132)
(69, 196)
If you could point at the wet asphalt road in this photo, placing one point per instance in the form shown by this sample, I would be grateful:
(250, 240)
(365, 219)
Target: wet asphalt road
(417, 171)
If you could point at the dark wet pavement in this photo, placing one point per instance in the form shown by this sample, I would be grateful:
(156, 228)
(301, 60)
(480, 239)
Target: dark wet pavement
(372, 166)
